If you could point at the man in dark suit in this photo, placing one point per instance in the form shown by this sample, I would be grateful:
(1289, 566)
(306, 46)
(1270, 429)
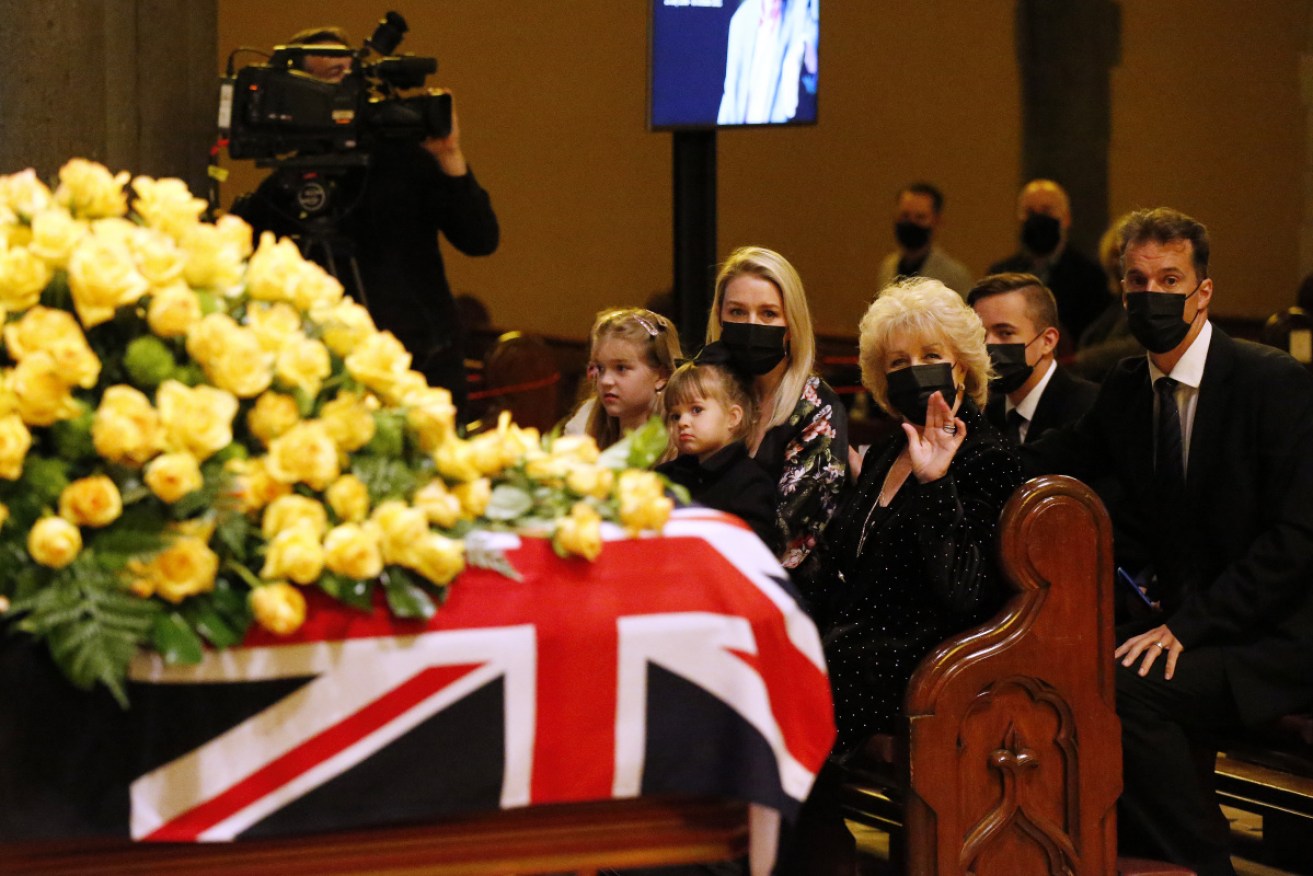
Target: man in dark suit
(1044, 211)
(1211, 442)
(1030, 393)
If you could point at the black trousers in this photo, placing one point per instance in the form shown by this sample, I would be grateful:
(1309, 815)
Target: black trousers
(1168, 810)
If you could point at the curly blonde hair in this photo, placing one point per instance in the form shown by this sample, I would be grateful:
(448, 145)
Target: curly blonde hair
(929, 310)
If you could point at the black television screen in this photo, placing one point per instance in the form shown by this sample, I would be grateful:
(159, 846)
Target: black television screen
(733, 62)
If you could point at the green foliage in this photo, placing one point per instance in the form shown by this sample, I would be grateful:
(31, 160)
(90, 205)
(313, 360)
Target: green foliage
(72, 438)
(389, 429)
(149, 362)
(385, 478)
(349, 591)
(406, 597)
(175, 639)
(92, 626)
(221, 616)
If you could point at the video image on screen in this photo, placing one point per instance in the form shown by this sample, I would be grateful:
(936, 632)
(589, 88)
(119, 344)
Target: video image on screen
(733, 62)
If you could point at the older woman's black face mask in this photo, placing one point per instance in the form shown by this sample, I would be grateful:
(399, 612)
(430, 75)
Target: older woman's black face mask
(910, 389)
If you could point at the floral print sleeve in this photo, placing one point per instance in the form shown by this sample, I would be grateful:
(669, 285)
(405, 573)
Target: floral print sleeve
(814, 471)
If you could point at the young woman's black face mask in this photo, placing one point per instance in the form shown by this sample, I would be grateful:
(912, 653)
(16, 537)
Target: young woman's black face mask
(755, 348)
(910, 389)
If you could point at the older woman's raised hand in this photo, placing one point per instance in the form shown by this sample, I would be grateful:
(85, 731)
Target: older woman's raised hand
(932, 449)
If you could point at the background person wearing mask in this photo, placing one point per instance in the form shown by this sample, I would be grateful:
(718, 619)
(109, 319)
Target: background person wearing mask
(1044, 211)
(1031, 393)
(916, 220)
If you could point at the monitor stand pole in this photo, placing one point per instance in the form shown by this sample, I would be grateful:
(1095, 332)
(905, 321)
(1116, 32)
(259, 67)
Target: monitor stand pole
(695, 233)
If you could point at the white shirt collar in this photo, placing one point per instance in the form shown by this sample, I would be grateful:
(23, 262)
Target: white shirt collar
(1189, 369)
(1031, 401)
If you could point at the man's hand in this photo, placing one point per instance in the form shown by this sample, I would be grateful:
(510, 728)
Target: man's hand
(447, 149)
(1149, 645)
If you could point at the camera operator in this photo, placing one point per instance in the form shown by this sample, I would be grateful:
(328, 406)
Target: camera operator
(381, 238)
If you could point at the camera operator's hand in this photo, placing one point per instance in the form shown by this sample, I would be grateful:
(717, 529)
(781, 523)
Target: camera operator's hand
(447, 149)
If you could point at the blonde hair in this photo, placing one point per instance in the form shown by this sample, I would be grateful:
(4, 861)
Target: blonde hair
(710, 381)
(756, 261)
(928, 310)
(650, 332)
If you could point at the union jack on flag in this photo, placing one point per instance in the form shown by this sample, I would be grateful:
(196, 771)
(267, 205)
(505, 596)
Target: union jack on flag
(678, 664)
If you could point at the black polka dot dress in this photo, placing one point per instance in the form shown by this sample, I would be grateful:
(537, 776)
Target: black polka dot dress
(900, 579)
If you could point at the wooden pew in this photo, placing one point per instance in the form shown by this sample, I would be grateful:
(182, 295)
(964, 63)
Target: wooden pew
(1011, 762)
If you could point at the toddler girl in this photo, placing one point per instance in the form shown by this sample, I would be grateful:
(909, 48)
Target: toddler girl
(709, 412)
(633, 353)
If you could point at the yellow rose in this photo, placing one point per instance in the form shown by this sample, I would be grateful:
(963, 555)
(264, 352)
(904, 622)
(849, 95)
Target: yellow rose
(241, 366)
(294, 553)
(353, 550)
(166, 205)
(15, 441)
(473, 496)
(439, 505)
(157, 256)
(212, 257)
(196, 419)
(455, 460)
(580, 448)
(380, 362)
(40, 393)
(235, 233)
(305, 454)
(580, 533)
(349, 498)
(438, 558)
(590, 480)
(23, 276)
(93, 501)
(313, 287)
(126, 429)
(207, 339)
(56, 332)
(278, 607)
(186, 568)
(55, 233)
(486, 454)
(432, 416)
(174, 311)
(643, 503)
(349, 418)
(250, 485)
(103, 277)
(173, 475)
(345, 325)
(272, 269)
(291, 510)
(274, 324)
(272, 414)
(24, 193)
(4, 518)
(401, 529)
(54, 542)
(303, 363)
(88, 189)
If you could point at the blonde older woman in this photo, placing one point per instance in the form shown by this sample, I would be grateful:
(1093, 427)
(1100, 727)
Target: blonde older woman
(909, 561)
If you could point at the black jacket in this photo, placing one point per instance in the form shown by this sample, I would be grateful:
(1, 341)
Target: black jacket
(1235, 558)
(733, 482)
(1066, 397)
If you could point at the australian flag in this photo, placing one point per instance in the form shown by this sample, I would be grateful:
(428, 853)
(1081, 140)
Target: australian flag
(672, 665)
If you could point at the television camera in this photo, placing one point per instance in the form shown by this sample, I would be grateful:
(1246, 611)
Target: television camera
(274, 110)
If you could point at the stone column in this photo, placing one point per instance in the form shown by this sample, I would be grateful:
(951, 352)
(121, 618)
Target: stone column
(130, 83)
(1065, 52)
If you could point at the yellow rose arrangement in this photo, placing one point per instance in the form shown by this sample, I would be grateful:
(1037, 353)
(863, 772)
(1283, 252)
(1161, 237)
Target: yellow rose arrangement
(197, 427)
